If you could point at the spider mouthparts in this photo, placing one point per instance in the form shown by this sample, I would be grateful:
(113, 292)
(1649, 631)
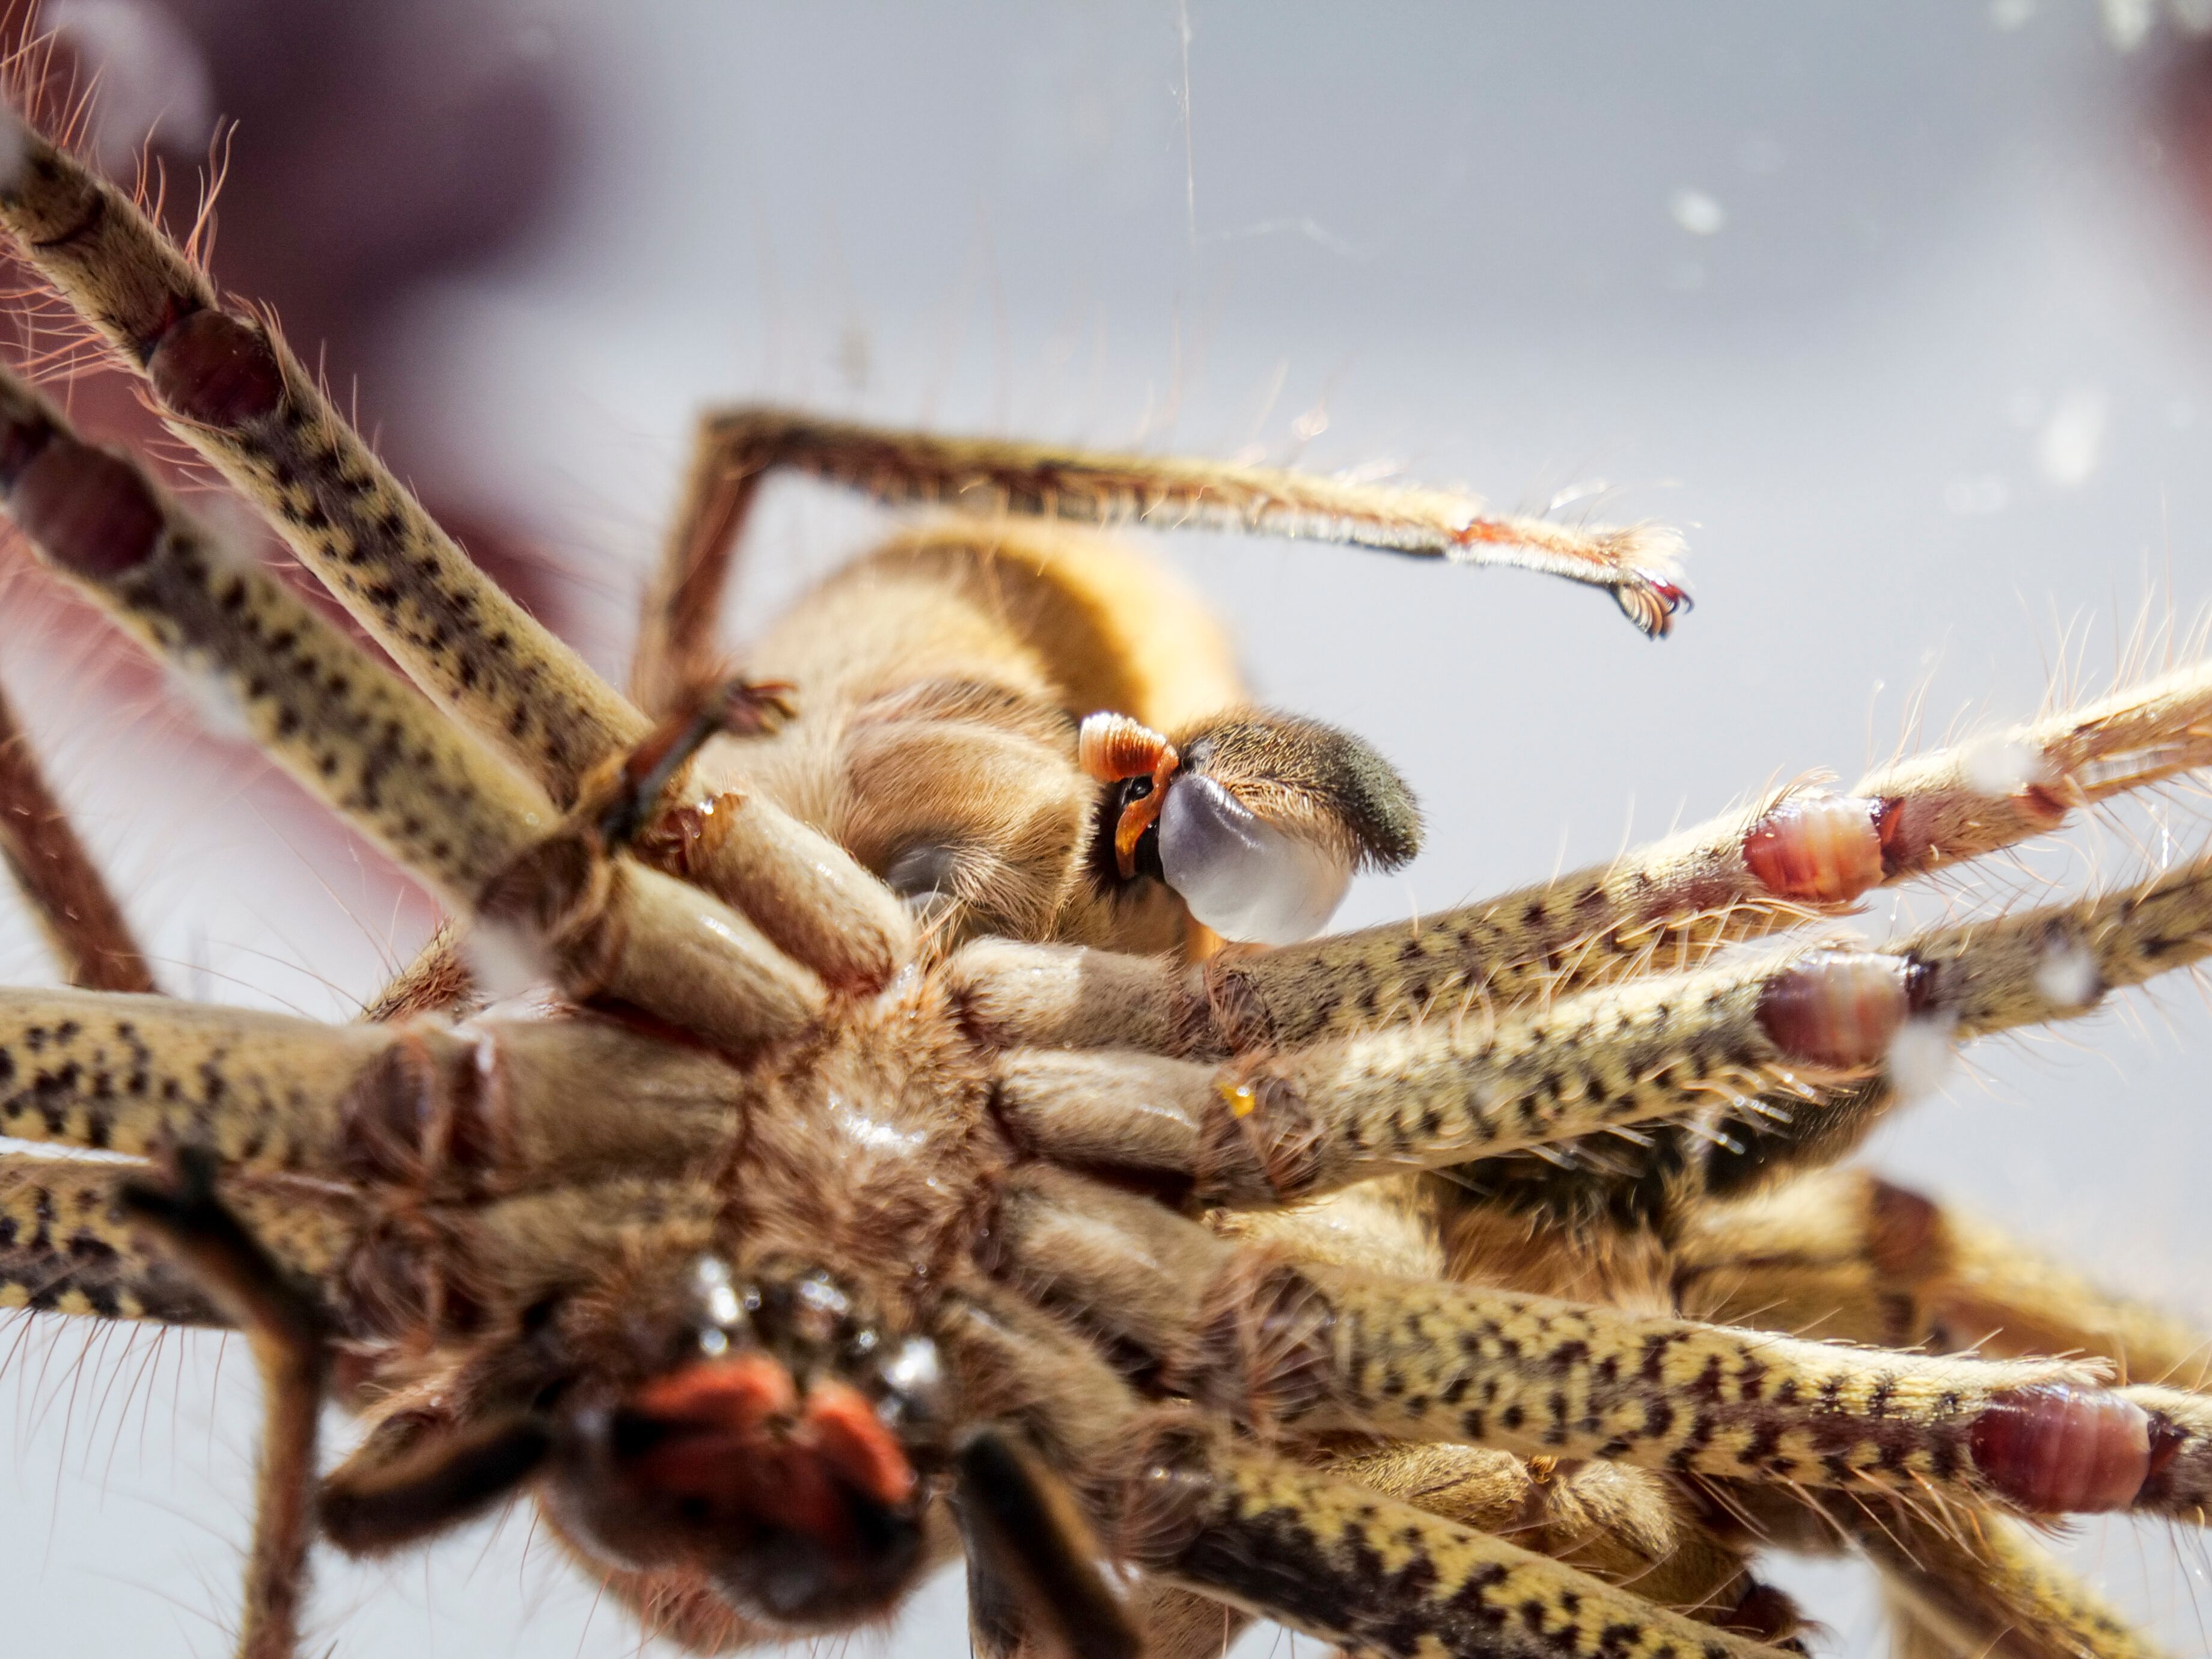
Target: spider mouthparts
(737, 1435)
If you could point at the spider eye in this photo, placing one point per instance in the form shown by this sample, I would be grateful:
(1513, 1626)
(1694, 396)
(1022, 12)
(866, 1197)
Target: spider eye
(926, 876)
(1241, 876)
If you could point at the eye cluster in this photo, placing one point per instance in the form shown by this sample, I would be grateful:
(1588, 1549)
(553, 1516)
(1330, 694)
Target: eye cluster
(816, 1327)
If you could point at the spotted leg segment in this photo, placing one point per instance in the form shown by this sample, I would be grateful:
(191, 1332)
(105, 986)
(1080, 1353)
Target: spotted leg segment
(1306, 1548)
(1304, 1349)
(486, 840)
(228, 384)
(1378, 1577)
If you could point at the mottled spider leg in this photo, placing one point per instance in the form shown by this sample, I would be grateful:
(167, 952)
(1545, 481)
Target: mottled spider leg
(503, 1106)
(1667, 905)
(66, 1246)
(485, 839)
(1842, 1254)
(1376, 1576)
(1636, 564)
(1812, 1041)
(1312, 1551)
(1268, 1129)
(1307, 1349)
(1627, 1526)
(290, 1337)
(228, 386)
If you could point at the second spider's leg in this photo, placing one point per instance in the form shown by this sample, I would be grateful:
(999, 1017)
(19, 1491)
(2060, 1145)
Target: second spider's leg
(1663, 906)
(1635, 564)
(290, 1338)
(682, 605)
(1843, 1254)
(79, 915)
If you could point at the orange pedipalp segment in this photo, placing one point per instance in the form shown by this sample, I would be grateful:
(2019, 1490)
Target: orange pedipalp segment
(1139, 816)
(853, 1440)
(733, 1394)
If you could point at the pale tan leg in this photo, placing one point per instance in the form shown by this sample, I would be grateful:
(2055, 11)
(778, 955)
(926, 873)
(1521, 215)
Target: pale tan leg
(1843, 1254)
(82, 923)
(987, 475)
(1981, 1587)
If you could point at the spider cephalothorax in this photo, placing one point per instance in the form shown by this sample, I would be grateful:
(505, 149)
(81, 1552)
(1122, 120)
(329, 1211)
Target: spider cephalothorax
(892, 1161)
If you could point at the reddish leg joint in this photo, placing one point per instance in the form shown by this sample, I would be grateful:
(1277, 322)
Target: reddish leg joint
(2062, 1450)
(214, 368)
(1838, 1010)
(1817, 849)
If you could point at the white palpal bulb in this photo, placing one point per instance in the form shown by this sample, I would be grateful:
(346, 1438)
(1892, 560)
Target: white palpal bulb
(1241, 876)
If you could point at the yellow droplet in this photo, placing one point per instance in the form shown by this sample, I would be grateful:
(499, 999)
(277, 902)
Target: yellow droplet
(1242, 1102)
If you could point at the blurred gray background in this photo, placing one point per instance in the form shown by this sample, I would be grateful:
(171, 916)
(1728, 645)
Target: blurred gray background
(1902, 310)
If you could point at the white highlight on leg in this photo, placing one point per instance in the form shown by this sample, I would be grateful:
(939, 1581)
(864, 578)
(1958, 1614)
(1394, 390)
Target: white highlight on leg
(504, 961)
(2067, 976)
(214, 700)
(1920, 1057)
(2003, 766)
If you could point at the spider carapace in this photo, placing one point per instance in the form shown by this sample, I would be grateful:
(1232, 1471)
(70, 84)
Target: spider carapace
(891, 1106)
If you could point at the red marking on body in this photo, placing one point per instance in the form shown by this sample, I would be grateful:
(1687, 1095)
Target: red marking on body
(2060, 1450)
(853, 1439)
(1836, 1009)
(88, 512)
(1818, 849)
(736, 1436)
(216, 369)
